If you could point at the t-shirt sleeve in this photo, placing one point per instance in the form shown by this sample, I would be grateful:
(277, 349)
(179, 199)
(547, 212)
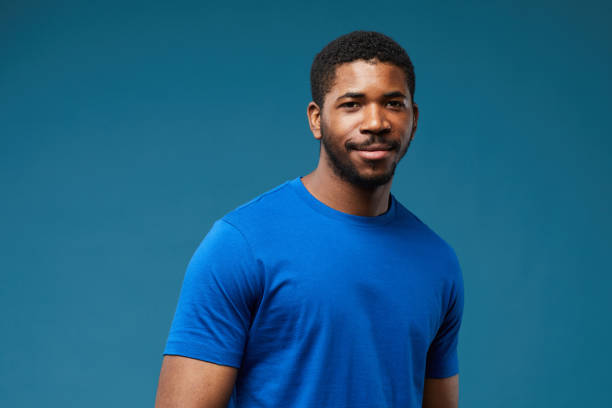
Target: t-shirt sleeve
(217, 299)
(442, 359)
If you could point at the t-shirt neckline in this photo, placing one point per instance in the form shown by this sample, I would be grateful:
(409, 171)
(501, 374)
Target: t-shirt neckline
(384, 218)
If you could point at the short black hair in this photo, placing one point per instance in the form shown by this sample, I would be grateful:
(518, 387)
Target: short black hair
(365, 45)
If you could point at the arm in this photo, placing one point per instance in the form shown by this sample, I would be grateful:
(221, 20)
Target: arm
(208, 334)
(441, 392)
(441, 388)
(190, 383)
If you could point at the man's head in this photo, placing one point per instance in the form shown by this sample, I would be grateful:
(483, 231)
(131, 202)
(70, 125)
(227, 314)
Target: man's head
(364, 45)
(362, 110)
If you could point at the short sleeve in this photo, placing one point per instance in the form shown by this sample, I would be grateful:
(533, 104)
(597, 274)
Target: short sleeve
(217, 299)
(442, 358)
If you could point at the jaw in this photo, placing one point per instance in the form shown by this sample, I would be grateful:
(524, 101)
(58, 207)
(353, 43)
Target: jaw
(340, 162)
(366, 174)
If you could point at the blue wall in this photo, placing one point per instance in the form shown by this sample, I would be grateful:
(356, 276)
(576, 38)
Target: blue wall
(127, 130)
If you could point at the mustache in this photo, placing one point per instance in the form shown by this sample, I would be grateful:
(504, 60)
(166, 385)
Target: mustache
(391, 145)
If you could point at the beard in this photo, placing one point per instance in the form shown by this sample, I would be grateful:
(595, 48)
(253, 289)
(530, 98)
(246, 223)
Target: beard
(345, 169)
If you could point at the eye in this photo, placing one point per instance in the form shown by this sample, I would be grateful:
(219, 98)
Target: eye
(396, 104)
(350, 105)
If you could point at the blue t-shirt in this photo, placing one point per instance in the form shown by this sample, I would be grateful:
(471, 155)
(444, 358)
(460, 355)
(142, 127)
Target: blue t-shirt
(320, 308)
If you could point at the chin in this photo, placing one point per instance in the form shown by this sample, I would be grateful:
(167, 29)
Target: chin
(370, 181)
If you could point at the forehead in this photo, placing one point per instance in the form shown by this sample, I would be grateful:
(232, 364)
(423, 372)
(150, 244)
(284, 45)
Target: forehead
(369, 77)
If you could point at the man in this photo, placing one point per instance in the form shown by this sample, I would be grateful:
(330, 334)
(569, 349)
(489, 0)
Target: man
(325, 291)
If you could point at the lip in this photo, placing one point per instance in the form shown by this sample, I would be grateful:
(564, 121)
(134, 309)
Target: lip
(376, 147)
(373, 154)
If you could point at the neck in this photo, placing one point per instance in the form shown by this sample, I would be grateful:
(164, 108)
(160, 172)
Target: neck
(343, 196)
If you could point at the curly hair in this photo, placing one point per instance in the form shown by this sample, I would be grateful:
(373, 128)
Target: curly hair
(365, 45)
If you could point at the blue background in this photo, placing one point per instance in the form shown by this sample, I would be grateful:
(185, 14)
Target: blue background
(127, 129)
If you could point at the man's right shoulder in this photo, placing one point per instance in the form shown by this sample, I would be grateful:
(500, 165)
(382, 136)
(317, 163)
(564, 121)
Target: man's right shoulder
(245, 228)
(262, 210)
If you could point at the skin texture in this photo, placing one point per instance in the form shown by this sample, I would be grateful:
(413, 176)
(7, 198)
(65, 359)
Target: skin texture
(189, 383)
(441, 392)
(380, 111)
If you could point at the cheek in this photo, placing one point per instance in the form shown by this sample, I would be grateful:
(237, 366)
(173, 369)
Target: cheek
(342, 126)
(403, 127)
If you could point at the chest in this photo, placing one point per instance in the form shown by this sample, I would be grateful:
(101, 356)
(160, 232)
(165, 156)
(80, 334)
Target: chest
(364, 288)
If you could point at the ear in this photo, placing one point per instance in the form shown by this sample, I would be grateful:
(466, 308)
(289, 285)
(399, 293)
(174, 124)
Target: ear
(415, 119)
(314, 119)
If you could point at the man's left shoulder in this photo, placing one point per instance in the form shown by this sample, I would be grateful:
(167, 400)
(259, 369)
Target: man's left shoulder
(428, 239)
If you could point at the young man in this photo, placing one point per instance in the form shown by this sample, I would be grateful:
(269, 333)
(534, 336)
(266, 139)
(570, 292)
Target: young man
(325, 291)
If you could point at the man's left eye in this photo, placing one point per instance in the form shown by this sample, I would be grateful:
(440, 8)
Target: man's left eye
(396, 104)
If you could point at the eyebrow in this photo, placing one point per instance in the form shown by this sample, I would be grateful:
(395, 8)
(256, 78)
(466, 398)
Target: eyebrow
(351, 95)
(394, 94)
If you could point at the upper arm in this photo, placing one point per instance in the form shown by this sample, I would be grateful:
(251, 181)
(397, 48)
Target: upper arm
(441, 392)
(442, 358)
(190, 383)
(220, 291)
(207, 337)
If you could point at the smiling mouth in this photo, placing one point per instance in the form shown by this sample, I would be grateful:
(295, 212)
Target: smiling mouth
(373, 154)
(374, 148)
(376, 151)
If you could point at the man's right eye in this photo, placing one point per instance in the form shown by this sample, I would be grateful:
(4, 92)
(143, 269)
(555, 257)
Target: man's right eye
(350, 105)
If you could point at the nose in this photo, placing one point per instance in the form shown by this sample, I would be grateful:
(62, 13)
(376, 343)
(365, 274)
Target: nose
(374, 120)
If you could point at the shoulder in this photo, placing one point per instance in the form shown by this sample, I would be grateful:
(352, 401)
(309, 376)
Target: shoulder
(255, 219)
(230, 233)
(265, 202)
(430, 241)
